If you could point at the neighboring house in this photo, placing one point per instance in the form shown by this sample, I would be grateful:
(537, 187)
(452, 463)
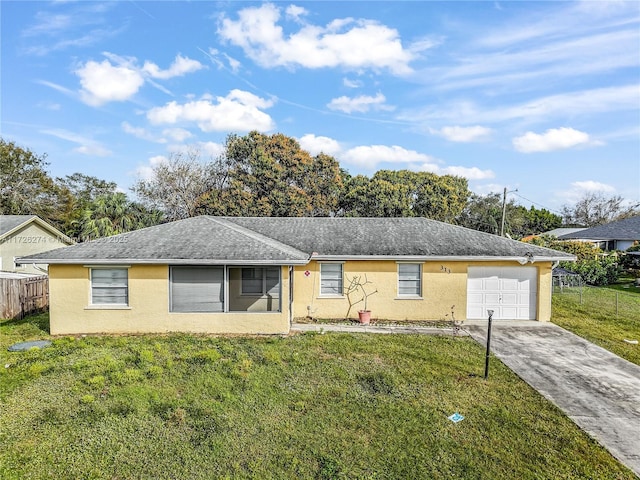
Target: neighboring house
(619, 235)
(256, 275)
(558, 232)
(23, 235)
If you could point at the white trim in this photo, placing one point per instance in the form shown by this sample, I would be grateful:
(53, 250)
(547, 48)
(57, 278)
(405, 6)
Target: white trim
(107, 262)
(106, 266)
(438, 258)
(105, 306)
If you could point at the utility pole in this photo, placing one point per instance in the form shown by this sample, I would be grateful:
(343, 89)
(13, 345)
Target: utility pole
(504, 209)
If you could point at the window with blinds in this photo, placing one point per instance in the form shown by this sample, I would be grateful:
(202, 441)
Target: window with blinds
(331, 279)
(261, 281)
(409, 280)
(109, 286)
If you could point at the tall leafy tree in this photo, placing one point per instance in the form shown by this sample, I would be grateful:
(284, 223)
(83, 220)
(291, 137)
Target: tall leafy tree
(80, 191)
(112, 214)
(403, 193)
(271, 175)
(484, 213)
(25, 186)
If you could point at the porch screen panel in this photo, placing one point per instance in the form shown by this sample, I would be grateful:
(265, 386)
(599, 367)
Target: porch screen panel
(197, 289)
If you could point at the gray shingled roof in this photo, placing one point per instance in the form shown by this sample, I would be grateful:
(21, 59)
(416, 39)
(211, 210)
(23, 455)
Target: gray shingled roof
(10, 222)
(236, 240)
(198, 240)
(395, 237)
(627, 229)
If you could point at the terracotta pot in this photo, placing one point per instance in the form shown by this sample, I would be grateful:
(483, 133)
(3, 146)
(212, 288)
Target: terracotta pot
(364, 316)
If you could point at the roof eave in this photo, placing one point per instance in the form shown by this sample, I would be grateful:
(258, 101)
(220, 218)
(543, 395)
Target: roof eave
(160, 261)
(449, 258)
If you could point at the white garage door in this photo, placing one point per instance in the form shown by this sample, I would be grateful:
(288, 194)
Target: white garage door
(511, 292)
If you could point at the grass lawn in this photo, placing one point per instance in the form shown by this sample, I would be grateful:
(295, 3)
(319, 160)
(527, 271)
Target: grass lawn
(595, 319)
(307, 406)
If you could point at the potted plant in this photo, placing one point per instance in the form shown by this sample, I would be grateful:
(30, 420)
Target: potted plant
(358, 291)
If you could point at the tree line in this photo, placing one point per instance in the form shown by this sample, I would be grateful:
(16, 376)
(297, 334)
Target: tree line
(266, 175)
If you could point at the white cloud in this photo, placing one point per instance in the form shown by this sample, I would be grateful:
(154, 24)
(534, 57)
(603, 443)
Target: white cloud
(211, 149)
(552, 139)
(180, 67)
(93, 150)
(580, 188)
(177, 134)
(103, 82)
(118, 78)
(238, 111)
(583, 102)
(593, 186)
(141, 133)
(351, 83)
(347, 43)
(87, 146)
(145, 172)
(463, 134)
(361, 104)
(295, 12)
(371, 155)
(472, 173)
(319, 144)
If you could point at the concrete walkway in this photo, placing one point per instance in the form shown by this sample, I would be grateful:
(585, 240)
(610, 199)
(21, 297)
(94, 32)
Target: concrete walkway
(598, 390)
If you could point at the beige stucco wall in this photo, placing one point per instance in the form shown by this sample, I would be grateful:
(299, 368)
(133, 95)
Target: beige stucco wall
(148, 310)
(444, 288)
(29, 240)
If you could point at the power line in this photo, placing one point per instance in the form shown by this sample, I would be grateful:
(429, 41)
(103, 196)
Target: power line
(539, 204)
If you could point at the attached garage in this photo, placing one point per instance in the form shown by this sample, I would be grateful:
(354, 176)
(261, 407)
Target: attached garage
(511, 292)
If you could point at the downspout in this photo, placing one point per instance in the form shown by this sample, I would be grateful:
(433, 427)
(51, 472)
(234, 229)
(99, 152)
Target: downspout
(43, 270)
(290, 295)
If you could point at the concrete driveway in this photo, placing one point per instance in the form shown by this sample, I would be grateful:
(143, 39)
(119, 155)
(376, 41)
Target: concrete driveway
(598, 390)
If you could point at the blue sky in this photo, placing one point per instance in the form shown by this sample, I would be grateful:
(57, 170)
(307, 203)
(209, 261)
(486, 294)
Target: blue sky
(542, 97)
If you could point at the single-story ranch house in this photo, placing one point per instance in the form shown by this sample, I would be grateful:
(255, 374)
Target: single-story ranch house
(257, 275)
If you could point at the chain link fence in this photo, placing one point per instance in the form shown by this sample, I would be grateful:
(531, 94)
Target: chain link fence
(606, 301)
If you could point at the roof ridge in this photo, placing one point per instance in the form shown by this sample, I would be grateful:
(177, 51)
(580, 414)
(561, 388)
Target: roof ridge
(272, 242)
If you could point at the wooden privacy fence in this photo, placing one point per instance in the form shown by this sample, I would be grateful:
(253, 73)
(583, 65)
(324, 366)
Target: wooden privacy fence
(20, 296)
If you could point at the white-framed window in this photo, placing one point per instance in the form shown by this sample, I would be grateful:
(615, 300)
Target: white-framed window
(196, 289)
(331, 282)
(110, 286)
(409, 280)
(261, 281)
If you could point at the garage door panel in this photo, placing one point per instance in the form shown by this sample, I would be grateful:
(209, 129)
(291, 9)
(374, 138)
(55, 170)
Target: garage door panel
(510, 284)
(512, 299)
(510, 291)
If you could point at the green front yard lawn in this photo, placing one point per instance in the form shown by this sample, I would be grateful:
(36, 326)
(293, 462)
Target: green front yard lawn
(595, 319)
(305, 406)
